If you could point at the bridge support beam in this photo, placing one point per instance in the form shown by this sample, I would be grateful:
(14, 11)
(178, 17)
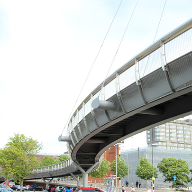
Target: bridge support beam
(64, 138)
(47, 183)
(75, 179)
(101, 104)
(85, 173)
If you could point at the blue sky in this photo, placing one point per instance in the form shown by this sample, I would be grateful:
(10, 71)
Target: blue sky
(47, 48)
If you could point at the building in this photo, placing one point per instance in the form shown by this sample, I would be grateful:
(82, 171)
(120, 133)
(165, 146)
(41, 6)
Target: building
(109, 155)
(174, 135)
(172, 139)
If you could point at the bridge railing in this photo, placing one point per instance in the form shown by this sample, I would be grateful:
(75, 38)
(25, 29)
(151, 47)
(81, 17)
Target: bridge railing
(121, 84)
(53, 167)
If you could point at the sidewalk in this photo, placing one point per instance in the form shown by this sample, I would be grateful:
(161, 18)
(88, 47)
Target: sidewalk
(128, 189)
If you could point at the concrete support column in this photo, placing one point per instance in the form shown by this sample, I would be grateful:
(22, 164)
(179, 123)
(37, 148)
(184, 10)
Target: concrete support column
(85, 179)
(85, 174)
(47, 183)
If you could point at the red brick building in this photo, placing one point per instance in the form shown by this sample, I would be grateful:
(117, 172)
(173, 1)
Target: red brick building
(109, 155)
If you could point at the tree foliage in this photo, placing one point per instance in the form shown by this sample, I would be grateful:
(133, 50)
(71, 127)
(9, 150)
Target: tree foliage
(122, 168)
(6, 163)
(17, 158)
(171, 166)
(145, 169)
(47, 160)
(102, 170)
(63, 158)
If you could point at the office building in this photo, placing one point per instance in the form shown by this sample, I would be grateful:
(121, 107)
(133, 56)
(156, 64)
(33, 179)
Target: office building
(172, 139)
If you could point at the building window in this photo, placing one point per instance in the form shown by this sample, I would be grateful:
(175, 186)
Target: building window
(157, 129)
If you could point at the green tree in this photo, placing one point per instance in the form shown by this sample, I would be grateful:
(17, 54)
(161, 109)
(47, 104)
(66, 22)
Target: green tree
(102, 170)
(145, 170)
(47, 160)
(191, 173)
(122, 168)
(19, 153)
(63, 158)
(170, 167)
(6, 164)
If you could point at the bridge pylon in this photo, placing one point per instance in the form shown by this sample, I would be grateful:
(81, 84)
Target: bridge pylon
(47, 183)
(85, 173)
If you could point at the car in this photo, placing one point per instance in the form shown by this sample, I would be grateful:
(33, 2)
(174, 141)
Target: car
(50, 187)
(8, 188)
(53, 189)
(59, 189)
(68, 189)
(90, 189)
(35, 187)
(26, 187)
(74, 188)
(11, 183)
(3, 190)
(17, 188)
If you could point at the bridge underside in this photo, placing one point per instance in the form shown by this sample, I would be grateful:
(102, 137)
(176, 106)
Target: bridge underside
(175, 104)
(153, 88)
(169, 108)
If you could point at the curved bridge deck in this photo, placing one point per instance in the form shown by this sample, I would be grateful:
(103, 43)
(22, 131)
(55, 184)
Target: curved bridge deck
(151, 89)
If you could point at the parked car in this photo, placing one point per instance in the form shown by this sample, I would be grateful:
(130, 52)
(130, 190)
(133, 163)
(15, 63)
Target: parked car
(11, 183)
(53, 189)
(50, 187)
(35, 187)
(8, 188)
(17, 188)
(92, 189)
(59, 189)
(68, 189)
(26, 187)
(3, 190)
(74, 188)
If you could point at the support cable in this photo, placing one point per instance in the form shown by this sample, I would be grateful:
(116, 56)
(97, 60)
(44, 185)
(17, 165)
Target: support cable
(156, 32)
(119, 45)
(92, 66)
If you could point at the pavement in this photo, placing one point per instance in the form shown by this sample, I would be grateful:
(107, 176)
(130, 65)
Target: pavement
(128, 189)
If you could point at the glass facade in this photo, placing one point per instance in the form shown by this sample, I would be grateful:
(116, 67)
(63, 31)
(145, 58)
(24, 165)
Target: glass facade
(176, 134)
(168, 140)
(132, 159)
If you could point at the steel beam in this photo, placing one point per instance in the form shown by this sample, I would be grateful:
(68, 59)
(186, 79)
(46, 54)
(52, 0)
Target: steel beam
(101, 104)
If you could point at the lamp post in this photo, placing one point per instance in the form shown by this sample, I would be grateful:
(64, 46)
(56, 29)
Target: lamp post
(116, 160)
(116, 166)
(153, 178)
(128, 169)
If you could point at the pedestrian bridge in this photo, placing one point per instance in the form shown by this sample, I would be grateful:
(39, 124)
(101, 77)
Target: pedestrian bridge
(151, 89)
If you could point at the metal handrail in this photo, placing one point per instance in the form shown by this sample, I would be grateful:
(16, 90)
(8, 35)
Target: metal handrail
(53, 167)
(157, 45)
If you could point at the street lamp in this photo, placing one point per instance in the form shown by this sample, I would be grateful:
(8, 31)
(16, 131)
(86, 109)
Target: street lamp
(128, 169)
(153, 178)
(116, 162)
(116, 166)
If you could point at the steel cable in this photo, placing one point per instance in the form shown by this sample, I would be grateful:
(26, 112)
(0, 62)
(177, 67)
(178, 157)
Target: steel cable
(91, 67)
